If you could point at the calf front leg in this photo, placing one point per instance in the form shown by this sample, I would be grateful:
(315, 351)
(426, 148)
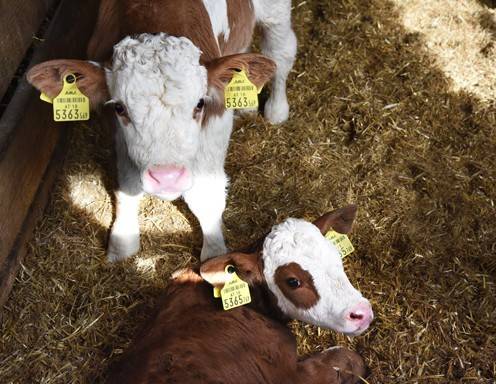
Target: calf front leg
(334, 366)
(278, 43)
(207, 200)
(124, 239)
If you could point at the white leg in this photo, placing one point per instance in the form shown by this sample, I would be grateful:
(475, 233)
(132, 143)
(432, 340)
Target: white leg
(207, 200)
(124, 238)
(279, 43)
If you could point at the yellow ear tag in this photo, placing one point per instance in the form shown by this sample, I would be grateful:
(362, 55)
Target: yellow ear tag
(216, 292)
(341, 242)
(46, 98)
(235, 292)
(241, 93)
(71, 104)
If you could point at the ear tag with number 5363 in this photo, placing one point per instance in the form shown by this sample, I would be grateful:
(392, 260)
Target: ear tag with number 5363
(70, 104)
(341, 242)
(235, 292)
(241, 93)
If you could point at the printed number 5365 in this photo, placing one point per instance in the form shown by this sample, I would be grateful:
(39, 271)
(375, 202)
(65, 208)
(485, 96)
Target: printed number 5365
(233, 301)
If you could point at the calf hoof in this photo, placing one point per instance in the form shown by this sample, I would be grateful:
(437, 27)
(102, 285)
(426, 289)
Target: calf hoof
(249, 113)
(350, 366)
(120, 247)
(276, 111)
(211, 250)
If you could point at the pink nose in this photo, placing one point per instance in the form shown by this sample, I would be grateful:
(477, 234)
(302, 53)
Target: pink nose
(361, 315)
(167, 178)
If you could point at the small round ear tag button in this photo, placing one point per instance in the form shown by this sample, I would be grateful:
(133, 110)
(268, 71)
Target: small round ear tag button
(70, 78)
(230, 269)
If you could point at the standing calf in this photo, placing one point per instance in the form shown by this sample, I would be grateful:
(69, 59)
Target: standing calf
(171, 62)
(297, 273)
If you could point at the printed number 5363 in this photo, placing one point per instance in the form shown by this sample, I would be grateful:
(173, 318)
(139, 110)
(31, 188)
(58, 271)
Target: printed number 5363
(240, 102)
(63, 114)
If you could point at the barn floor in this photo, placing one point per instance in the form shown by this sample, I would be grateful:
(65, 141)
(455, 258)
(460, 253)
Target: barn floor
(390, 111)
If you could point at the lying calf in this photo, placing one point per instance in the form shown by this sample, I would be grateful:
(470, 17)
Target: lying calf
(297, 273)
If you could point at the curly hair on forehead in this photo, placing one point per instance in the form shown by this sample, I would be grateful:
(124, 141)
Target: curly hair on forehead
(151, 52)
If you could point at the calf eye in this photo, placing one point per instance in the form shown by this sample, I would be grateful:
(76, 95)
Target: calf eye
(120, 109)
(293, 283)
(200, 104)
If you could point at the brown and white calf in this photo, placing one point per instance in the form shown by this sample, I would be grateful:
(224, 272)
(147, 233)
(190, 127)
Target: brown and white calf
(162, 66)
(295, 273)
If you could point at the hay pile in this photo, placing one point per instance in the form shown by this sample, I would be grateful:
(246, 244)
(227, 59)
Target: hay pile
(374, 121)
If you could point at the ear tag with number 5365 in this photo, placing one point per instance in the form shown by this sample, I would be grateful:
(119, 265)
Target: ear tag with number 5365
(70, 104)
(235, 292)
(241, 93)
(341, 242)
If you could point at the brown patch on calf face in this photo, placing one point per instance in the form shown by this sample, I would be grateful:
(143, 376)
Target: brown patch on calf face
(305, 296)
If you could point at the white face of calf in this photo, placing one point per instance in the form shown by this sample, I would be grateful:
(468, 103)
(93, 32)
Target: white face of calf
(158, 86)
(305, 273)
(162, 96)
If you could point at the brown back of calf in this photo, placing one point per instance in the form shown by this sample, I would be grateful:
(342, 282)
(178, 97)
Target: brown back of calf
(192, 340)
(189, 18)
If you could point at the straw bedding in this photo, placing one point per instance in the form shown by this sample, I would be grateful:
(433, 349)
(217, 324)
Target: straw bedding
(392, 110)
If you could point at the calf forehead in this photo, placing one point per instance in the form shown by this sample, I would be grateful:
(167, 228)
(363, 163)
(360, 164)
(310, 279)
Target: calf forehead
(158, 67)
(298, 241)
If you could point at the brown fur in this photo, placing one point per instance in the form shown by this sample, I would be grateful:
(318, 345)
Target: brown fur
(90, 79)
(305, 296)
(339, 220)
(189, 18)
(192, 340)
(258, 68)
(241, 24)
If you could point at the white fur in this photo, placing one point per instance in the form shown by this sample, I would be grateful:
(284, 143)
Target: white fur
(297, 241)
(278, 43)
(124, 236)
(217, 11)
(207, 197)
(160, 80)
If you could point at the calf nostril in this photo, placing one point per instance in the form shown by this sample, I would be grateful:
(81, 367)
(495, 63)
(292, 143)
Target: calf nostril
(356, 316)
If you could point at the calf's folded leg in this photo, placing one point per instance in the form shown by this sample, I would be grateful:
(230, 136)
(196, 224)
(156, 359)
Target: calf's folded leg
(333, 366)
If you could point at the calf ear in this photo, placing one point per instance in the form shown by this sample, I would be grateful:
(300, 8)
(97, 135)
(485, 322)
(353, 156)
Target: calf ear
(259, 69)
(247, 266)
(48, 77)
(340, 220)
